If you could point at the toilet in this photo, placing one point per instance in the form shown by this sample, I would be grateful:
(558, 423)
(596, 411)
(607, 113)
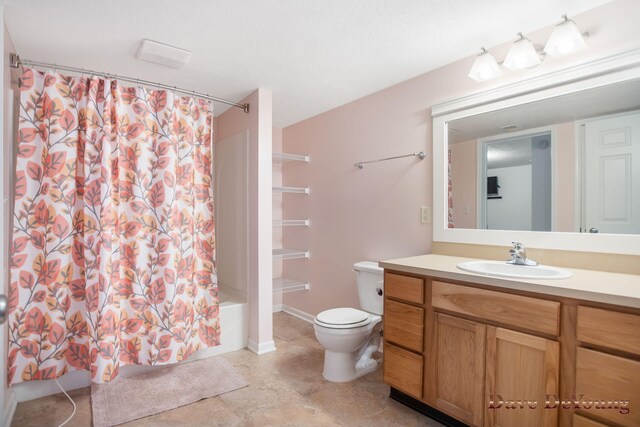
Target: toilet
(351, 336)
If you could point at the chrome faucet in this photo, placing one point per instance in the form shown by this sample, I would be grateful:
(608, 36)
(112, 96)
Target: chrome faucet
(519, 255)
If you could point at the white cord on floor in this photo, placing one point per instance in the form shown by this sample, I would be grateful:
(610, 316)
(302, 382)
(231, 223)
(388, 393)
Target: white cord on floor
(72, 402)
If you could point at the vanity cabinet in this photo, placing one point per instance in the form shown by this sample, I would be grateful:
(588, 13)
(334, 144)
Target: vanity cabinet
(608, 363)
(476, 362)
(457, 347)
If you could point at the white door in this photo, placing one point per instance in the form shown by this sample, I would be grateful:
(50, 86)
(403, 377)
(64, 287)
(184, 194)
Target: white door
(612, 174)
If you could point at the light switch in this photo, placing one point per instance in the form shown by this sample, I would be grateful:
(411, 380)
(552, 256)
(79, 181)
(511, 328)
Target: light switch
(425, 213)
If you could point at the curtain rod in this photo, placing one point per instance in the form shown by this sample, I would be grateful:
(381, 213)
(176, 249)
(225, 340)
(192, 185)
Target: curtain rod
(15, 62)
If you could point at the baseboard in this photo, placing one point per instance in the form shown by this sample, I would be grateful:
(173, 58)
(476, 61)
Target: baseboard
(10, 408)
(298, 313)
(261, 348)
(277, 308)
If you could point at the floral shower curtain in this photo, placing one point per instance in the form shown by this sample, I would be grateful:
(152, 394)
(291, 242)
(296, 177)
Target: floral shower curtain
(113, 245)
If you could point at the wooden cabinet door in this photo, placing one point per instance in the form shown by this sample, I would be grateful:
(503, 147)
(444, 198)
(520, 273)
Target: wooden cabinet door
(520, 368)
(459, 358)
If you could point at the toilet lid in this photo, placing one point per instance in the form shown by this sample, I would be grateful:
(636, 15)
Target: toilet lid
(343, 318)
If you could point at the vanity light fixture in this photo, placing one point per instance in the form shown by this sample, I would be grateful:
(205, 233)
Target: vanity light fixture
(485, 67)
(565, 38)
(522, 54)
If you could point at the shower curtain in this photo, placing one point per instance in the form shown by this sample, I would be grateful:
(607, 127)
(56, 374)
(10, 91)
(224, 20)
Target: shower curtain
(113, 243)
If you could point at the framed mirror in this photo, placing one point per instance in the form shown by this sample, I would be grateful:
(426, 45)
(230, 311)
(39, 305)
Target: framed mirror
(553, 161)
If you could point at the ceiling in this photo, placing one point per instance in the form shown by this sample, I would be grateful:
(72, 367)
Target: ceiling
(314, 55)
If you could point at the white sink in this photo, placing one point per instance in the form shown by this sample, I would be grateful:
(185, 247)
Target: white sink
(502, 269)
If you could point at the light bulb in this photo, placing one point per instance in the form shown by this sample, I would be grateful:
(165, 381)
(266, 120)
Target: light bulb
(522, 54)
(565, 38)
(484, 67)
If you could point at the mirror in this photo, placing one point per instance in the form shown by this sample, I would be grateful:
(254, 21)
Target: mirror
(575, 194)
(568, 163)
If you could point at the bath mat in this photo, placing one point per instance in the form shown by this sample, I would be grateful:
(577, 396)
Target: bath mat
(163, 389)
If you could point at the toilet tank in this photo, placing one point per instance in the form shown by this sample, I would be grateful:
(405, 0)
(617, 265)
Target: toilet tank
(370, 280)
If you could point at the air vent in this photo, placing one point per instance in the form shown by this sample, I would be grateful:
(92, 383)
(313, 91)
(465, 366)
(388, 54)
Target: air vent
(509, 128)
(160, 53)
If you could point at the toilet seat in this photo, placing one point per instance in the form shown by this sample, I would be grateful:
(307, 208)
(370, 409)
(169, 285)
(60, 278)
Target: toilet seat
(343, 318)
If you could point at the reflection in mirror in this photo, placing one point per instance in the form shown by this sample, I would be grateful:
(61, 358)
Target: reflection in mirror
(569, 163)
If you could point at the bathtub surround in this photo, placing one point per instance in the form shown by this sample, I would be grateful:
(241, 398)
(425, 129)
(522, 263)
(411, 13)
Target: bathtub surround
(113, 247)
(258, 124)
(375, 214)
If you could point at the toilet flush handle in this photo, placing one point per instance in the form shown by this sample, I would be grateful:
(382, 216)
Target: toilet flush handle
(379, 291)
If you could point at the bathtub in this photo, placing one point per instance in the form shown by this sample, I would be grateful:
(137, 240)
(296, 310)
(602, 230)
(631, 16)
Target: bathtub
(234, 327)
(234, 323)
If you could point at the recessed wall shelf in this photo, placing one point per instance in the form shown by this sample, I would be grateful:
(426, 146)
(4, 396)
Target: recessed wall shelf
(297, 190)
(289, 285)
(283, 157)
(290, 253)
(290, 222)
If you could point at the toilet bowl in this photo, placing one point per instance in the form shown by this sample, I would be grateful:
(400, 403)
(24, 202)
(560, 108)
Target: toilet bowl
(350, 336)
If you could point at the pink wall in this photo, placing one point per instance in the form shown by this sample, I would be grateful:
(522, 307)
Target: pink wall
(464, 183)
(373, 214)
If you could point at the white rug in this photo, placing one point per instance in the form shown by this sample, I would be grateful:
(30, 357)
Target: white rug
(127, 399)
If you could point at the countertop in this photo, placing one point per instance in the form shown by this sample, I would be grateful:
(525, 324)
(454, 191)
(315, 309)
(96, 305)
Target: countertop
(598, 286)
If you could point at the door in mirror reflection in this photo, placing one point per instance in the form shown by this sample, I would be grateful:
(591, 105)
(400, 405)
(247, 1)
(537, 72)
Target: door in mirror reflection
(516, 182)
(611, 189)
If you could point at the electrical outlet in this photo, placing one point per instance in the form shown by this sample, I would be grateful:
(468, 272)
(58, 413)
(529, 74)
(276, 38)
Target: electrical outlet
(425, 214)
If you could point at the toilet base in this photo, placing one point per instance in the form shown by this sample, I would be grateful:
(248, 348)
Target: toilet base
(344, 367)
(341, 367)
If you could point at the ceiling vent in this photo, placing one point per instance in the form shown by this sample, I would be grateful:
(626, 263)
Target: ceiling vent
(509, 128)
(160, 53)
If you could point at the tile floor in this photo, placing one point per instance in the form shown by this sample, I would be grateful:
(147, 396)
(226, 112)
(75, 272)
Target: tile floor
(286, 389)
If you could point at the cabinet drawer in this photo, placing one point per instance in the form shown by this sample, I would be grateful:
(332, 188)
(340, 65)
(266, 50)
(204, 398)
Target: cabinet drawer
(612, 329)
(612, 379)
(580, 421)
(516, 310)
(403, 370)
(403, 287)
(404, 324)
